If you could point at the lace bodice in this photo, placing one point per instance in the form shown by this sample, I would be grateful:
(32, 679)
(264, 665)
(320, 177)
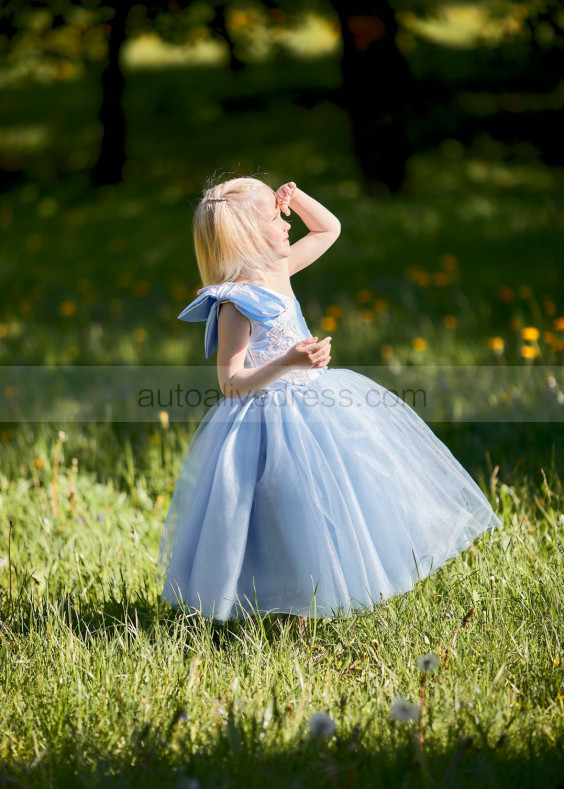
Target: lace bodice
(276, 321)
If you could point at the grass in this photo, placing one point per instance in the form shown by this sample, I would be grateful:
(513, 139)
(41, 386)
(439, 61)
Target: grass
(107, 686)
(104, 684)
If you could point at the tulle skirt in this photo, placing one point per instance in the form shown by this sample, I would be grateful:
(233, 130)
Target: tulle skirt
(317, 499)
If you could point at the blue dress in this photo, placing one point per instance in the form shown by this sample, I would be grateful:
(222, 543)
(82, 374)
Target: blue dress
(304, 497)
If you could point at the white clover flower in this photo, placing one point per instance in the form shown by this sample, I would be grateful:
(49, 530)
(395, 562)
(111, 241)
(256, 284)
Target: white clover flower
(403, 710)
(428, 662)
(322, 725)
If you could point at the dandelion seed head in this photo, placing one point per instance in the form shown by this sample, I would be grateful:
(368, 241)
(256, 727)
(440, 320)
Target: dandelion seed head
(322, 725)
(403, 710)
(428, 663)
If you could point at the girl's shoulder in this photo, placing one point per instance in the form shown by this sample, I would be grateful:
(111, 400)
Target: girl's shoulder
(254, 302)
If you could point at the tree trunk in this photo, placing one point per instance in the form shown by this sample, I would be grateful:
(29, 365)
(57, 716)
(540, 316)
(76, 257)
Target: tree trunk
(376, 87)
(218, 28)
(108, 169)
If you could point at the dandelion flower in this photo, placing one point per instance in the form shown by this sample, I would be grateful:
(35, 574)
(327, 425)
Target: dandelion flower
(530, 333)
(141, 287)
(441, 278)
(449, 262)
(140, 335)
(559, 323)
(67, 308)
(496, 344)
(525, 291)
(419, 343)
(328, 323)
(364, 295)
(322, 725)
(450, 321)
(529, 352)
(403, 710)
(428, 662)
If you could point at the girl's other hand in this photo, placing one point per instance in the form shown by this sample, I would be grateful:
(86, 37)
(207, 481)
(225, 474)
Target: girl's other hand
(309, 353)
(284, 195)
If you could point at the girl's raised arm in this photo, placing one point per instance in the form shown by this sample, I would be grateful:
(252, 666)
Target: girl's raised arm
(324, 227)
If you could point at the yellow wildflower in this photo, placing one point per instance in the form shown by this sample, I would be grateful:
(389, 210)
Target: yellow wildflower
(449, 262)
(364, 295)
(67, 308)
(141, 287)
(386, 351)
(442, 278)
(529, 352)
(140, 335)
(328, 323)
(496, 344)
(530, 333)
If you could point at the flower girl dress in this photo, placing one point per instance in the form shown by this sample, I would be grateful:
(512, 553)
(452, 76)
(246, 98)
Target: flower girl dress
(304, 497)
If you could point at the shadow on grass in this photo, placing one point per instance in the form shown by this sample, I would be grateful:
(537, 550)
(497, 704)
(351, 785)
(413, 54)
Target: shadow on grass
(240, 754)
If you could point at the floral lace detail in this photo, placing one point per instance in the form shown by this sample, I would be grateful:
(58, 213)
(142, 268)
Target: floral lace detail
(282, 336)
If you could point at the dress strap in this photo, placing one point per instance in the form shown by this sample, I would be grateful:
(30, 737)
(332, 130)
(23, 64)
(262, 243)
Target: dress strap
(255, 303)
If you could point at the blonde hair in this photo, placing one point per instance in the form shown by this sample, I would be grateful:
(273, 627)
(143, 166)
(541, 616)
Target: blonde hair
(228, 239)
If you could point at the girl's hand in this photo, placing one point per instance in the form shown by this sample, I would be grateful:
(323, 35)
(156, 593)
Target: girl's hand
(309, 353)
(284, 195)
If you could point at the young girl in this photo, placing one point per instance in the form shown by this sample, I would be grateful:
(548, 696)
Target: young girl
(305, 490)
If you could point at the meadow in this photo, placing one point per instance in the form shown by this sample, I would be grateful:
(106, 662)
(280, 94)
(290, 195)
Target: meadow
(103, 684)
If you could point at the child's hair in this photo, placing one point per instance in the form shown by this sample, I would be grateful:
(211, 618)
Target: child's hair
(227, 236)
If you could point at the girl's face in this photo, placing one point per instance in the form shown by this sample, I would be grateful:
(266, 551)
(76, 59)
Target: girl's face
(275, 227)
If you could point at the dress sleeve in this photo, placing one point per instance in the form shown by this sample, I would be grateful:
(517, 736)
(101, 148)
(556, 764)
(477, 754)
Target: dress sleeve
(206, 307)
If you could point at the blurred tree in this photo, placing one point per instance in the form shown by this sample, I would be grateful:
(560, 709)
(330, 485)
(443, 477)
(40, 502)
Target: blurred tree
(377, 86)
(109, 167)
(219, 28)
